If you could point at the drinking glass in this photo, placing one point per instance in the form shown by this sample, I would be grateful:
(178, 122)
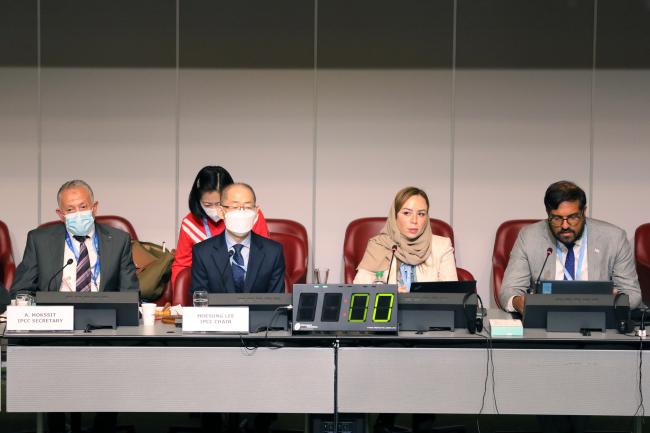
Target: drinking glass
(200, 298)
(24, 300)
(321, 275)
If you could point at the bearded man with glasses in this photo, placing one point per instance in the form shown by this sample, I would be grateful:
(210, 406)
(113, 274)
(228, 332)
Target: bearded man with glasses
(581, 248)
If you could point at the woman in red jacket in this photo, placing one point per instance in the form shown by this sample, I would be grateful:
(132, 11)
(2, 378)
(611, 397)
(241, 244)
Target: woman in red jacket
(203, 222)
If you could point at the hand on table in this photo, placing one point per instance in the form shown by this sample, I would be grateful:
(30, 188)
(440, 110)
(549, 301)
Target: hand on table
(518, 302)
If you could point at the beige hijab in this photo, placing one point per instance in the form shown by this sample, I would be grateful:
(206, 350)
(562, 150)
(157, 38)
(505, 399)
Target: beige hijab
(410, 251)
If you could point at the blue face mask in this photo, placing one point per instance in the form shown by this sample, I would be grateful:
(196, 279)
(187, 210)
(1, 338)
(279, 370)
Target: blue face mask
(79, 223)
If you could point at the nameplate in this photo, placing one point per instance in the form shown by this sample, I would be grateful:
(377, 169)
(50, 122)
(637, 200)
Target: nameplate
(216, 319)
(40, 318)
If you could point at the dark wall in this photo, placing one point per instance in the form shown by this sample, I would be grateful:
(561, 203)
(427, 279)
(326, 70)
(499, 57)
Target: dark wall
(350, 33)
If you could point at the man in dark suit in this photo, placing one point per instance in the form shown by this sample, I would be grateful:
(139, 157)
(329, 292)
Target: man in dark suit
(99, 259)
(238, 260)
(103, 252)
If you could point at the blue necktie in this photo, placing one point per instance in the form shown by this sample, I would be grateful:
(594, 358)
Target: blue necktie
(570, 264)
(238, 272)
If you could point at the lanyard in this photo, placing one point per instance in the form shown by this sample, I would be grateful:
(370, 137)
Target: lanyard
(94, 272)
(407, 272)
(207, 228)
(581, 256)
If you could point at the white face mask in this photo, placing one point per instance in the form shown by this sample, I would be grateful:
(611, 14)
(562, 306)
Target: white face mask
(212, 213)
(240, 222)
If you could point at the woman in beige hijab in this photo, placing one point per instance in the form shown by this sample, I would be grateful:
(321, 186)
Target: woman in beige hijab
(419, 254)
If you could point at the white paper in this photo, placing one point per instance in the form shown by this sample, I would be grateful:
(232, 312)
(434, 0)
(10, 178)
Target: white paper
(40, 318)
(216, 319)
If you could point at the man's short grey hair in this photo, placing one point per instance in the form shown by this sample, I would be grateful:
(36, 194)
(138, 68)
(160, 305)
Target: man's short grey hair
(76, 183)
(245, 185)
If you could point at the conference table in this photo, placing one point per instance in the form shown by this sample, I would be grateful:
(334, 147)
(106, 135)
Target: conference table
(537, 374)
(158, 369)
(162, 369)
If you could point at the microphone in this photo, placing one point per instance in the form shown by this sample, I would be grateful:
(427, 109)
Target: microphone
(534, 289)
(223, 279)
(69, 262)
(390, 264)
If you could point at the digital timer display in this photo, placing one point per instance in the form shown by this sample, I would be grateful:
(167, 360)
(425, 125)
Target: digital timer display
(383, 307)
(358, 307)
(345, 307)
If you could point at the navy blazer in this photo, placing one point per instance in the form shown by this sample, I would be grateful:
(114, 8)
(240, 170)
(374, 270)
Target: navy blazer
(211, 269)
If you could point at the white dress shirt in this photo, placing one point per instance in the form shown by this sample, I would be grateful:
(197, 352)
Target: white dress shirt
(245, 251)
(559, 266)
(69, 276)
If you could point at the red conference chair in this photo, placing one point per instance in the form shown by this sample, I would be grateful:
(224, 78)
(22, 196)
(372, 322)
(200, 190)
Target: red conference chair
(182, 288)
(504, 241)
(361, 230)
(7, 263)
(294, 228)
(289, 227)
(123, 224)
(642, 256)
(295, 259)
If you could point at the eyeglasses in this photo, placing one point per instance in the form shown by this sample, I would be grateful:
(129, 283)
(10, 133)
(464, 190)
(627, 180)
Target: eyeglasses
(230, 208)
(572, 219)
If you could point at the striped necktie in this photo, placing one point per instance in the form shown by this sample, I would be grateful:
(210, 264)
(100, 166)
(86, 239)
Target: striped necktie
(83, 266)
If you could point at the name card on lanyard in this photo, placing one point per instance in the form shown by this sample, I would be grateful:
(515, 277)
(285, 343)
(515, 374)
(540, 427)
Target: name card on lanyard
(581, 257)
(94, 272)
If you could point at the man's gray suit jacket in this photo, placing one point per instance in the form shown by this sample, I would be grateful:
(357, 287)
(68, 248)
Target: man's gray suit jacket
(609, 257)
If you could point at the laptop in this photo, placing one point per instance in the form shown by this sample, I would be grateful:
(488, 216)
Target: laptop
(443, 287)
(568, 287)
